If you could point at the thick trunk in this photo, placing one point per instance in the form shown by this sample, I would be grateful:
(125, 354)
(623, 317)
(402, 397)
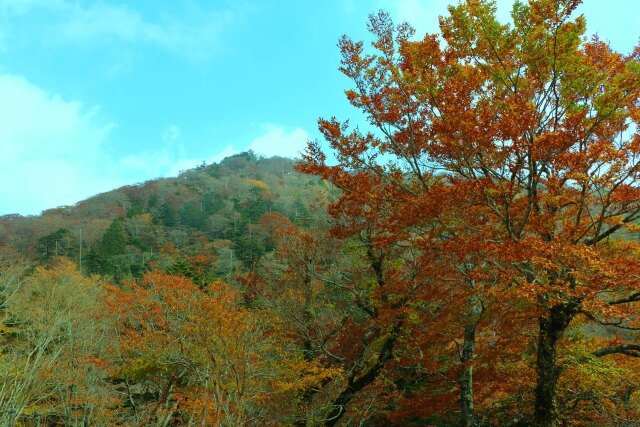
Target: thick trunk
(552, 327)
(547, 376)
(467, 418)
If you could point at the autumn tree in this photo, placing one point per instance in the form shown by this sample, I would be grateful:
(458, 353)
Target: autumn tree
(296, 283)
(48, 338)
(529, 133)
(192, 355)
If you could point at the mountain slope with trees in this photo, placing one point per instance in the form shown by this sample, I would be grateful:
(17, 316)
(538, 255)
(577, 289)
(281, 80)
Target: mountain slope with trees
(471, 258)
(215, 215)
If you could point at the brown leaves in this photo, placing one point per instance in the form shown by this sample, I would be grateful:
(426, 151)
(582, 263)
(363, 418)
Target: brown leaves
(504, 164)
(206, 355)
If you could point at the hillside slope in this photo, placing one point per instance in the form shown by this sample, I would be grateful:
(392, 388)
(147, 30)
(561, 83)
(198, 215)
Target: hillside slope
(217, 216)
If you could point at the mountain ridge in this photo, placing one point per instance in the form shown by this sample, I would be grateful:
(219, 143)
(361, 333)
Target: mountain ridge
(215, 210)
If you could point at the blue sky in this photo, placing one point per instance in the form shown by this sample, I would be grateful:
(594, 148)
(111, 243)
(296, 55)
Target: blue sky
(99, 94)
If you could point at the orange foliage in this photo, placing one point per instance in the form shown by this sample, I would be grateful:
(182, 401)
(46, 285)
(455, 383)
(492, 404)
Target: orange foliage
(208, 358)
(501, 168)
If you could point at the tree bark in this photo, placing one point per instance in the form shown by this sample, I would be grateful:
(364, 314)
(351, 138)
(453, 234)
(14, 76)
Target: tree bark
(307, 348)
(552, 327)
(354, 385)
(467, 417)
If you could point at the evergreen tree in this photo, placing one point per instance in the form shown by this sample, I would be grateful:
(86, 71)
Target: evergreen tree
(107, 257)
(114, 241)
(54, 244)
(168, 215)
(301, 213)
(181, 267)
(192, 216)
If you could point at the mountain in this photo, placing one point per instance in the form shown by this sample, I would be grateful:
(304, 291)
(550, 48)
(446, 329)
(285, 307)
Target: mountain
(215, 218)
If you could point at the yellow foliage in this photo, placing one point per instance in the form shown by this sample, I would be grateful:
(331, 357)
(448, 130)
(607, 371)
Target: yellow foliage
(304, 375)
(259, 184)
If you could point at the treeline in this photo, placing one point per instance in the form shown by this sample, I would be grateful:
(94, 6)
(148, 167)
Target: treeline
(218, 213)
(328, 327)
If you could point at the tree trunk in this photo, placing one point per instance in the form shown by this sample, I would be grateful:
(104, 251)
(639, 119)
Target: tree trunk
(307, 349)
(354, 385)
(467, 418)
(552, 327)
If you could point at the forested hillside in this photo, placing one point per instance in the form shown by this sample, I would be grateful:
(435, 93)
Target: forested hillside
(170, 302)
(216, 218)
(470, 256)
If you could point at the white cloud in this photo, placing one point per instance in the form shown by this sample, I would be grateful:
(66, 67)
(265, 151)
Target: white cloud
(51, 148)
(166, 161)
(70, 22)
(149, 164)
(421, 14)
(171, 133)
(221, 155)
(615, 22)
(104, 22)
(276, 141)
(170, 160)
(23, 6)
(55, 151)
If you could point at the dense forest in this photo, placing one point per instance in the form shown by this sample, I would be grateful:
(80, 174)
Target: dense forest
(470, 257)
(226, 212)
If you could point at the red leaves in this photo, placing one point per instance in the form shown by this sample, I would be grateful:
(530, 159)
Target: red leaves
(502, 168)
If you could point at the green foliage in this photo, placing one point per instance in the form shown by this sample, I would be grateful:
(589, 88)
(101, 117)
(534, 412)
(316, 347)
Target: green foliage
(135, 209)
(301, 215)
(58, 243)
(186, 268)
(193, 216)
(168, 215)
(114, 241)
(132, 229)
(249, 250)
(108, 257)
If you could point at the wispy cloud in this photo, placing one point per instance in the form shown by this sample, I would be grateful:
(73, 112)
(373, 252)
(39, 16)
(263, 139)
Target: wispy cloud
(52, 149)
(604, 18)
(56, 151)
(104, 22)
(277, 141)
(171, 133)
(171, 159)
(196, 36)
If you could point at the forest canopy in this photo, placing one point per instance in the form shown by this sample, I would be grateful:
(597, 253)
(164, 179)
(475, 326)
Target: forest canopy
(470, 258)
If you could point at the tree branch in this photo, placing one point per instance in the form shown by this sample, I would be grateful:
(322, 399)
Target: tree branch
(626, 349)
